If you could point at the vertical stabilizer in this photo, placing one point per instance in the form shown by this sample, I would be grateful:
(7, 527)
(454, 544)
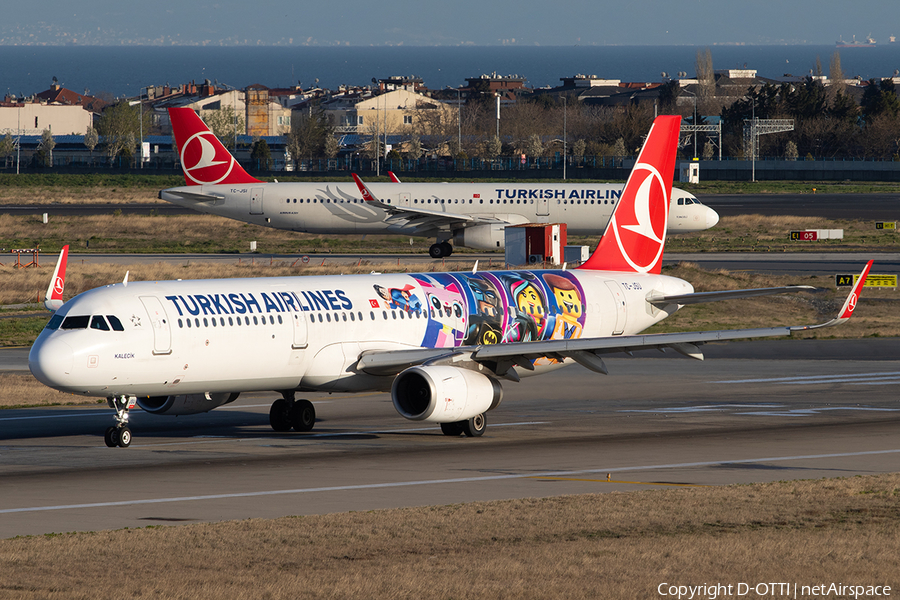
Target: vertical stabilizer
(204, 160)
(636, 234)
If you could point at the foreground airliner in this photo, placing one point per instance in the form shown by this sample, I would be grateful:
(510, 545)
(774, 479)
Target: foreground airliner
(440, 342)
(473, 215)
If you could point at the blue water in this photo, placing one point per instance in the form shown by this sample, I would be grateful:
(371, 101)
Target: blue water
(124, 70)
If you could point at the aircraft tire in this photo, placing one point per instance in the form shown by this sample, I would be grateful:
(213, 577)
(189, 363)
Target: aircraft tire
(123, 437)
(280, 415)
(436, 251)
(110, 437)
(303, 415)
(475, 426)
(453, 429)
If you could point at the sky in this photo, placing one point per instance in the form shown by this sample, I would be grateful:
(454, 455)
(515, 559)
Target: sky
(451, 23)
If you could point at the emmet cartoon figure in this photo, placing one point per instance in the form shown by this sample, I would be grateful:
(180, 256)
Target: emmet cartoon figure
(570, 304)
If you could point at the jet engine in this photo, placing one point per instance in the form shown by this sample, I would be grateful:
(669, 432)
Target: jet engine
(481, 237)
(185, 404)
(442, 394)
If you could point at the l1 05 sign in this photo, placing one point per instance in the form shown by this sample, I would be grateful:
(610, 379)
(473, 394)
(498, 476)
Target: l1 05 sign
(811, 235)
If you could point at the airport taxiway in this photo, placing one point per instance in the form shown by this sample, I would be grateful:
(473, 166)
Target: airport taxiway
(753, 411)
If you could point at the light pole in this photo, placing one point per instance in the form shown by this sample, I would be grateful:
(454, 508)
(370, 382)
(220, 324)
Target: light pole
(565, 135)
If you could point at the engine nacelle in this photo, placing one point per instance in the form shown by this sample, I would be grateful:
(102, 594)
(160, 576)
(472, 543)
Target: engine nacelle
(185, 404)
(481, 237)
(442, 394)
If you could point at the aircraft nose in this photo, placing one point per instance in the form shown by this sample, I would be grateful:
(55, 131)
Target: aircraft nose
(712, 217)
(50, 361)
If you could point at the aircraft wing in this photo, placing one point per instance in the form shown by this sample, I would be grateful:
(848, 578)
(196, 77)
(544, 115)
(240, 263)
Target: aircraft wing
(420, 218)
(501, 358)
(699, 297)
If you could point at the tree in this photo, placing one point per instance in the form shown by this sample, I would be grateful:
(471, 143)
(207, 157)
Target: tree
(790, 151)
(668, 97)
(261, 155)
(7, 147)
(414, 151)
(90, 140)
(120, 127)
(308, 134)
(880, 98)
(226, 124)
(43, 157)
(535, 147)
(332, 146)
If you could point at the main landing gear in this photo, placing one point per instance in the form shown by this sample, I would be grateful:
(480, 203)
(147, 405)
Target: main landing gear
(120, 434)
(287, 413)
(473, 427)
(440, 250)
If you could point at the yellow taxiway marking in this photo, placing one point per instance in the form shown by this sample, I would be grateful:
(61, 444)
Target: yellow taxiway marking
(616, 481)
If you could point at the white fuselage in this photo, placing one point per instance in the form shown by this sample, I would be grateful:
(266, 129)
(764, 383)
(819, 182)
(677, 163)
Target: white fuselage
(308, 333)
(337, 208)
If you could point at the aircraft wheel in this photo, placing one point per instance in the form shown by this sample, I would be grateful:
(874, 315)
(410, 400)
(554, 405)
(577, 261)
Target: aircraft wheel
(303, 415)
(475, 426)
(436, 251)
(123, 437)
(448, 249)
(454, 429)
(280, 415)
(110, 437)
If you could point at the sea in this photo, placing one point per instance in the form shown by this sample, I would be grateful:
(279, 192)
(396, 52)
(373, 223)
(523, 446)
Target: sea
(122, 71)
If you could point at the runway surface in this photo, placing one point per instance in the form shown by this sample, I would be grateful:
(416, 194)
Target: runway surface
(874, 207)
(758, 411)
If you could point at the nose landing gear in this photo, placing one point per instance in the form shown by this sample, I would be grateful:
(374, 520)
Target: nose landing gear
(120, 434)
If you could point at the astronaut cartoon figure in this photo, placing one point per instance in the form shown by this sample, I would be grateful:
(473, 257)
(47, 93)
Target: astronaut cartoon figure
(570, 305)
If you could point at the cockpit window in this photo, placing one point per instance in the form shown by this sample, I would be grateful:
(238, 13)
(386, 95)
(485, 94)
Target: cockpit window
(54, 322)
(115, 322)
(98, 322)
(76, 322)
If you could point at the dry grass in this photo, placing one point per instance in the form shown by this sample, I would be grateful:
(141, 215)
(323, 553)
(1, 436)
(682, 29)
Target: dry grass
(19, 390)
(78, 195)
(603, 545)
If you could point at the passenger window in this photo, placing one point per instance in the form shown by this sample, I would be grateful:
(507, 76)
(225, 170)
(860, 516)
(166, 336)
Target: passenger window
(54, 322)
(98, 322)
(76, 322)
(115, 322)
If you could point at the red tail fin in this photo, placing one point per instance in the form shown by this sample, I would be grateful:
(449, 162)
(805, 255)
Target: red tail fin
(636, 234)
(204, 159)
(53, 299)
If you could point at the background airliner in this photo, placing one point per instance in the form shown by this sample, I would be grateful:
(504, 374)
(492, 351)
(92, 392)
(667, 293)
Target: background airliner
(473, 215)
(440, 342)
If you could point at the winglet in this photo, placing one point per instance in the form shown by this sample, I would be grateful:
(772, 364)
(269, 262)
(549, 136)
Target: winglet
(849, 304)
(53, 299)
(366, 193)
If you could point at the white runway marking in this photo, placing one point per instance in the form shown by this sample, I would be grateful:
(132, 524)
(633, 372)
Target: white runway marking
(399, 484)
(878, 378)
